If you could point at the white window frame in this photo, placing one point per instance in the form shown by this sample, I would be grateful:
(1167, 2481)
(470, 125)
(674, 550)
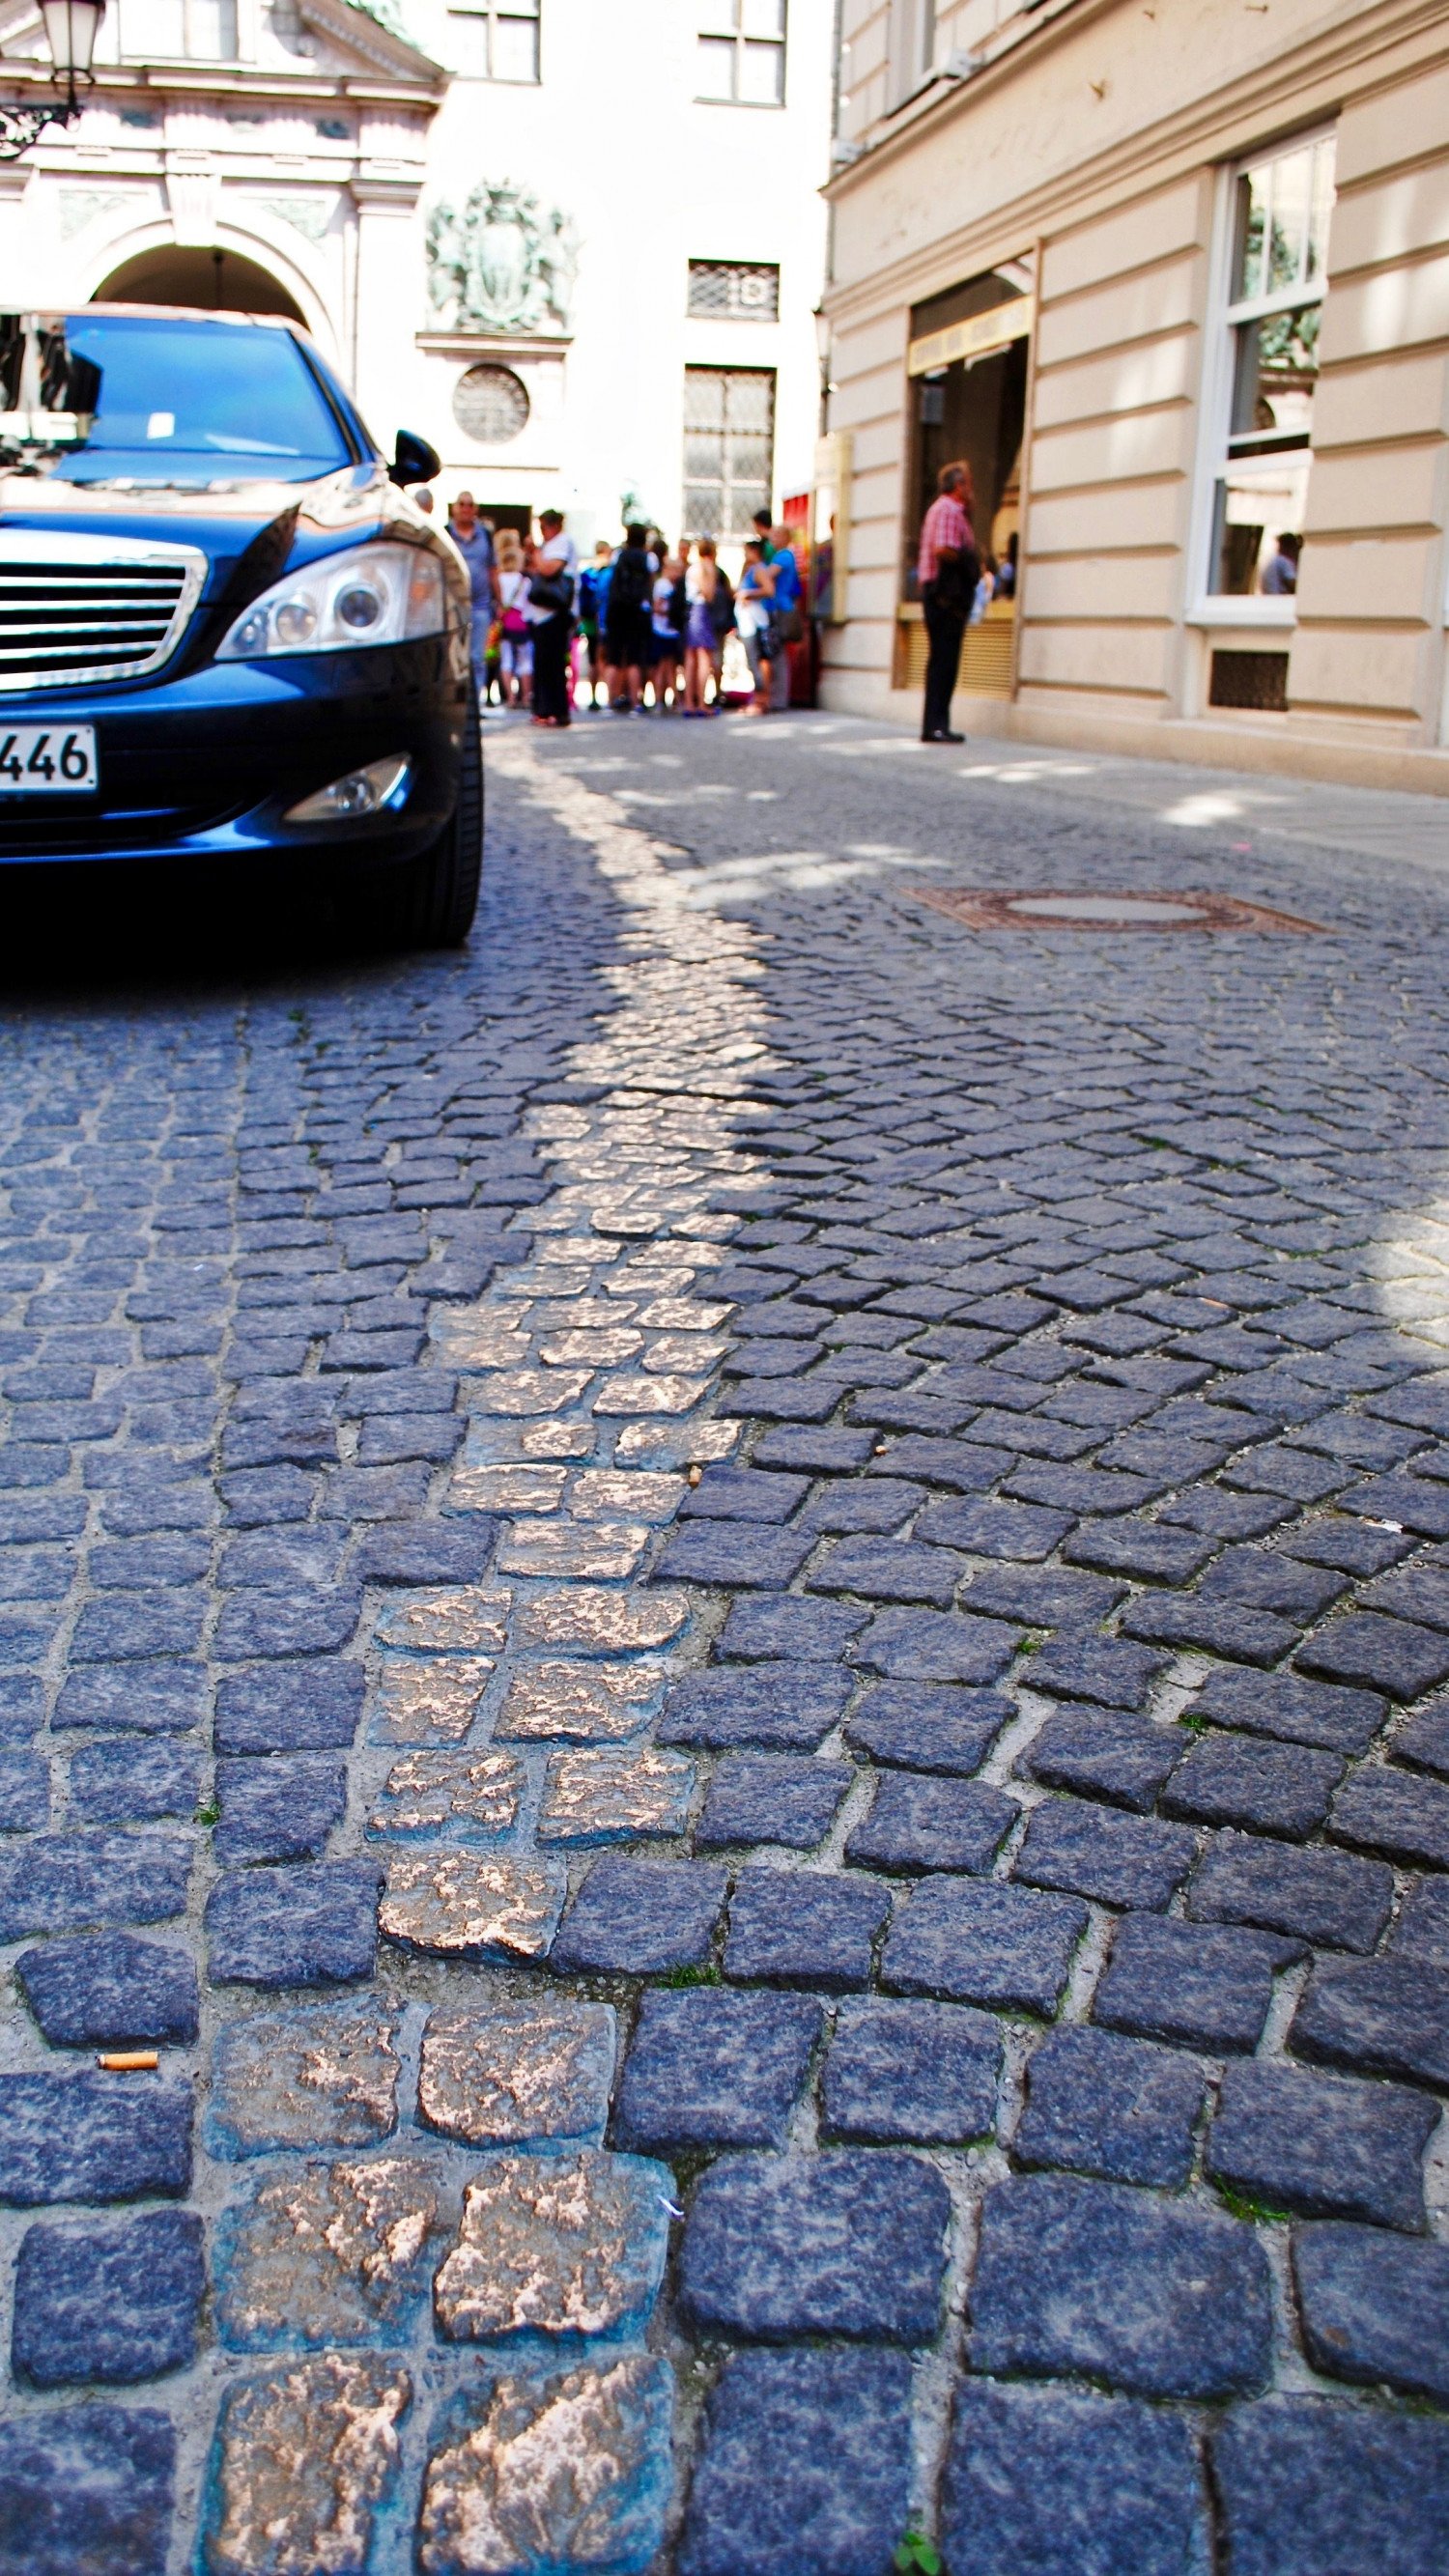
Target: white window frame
(912, 48)
(711, 25)
(1220, 607)
(488, 12)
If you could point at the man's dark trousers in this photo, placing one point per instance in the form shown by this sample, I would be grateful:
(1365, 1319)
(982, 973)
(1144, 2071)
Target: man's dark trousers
(551, 668)
(945, 627)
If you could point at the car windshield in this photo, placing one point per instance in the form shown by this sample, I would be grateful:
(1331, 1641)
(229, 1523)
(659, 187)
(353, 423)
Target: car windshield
(195, 403)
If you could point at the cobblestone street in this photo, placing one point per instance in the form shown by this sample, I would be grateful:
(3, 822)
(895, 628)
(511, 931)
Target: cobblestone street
(728, 1625)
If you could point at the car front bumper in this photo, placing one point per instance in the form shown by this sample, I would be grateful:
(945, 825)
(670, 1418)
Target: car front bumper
(206, 766)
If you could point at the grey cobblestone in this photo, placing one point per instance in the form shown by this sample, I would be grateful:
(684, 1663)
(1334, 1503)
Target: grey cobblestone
(932, 1446)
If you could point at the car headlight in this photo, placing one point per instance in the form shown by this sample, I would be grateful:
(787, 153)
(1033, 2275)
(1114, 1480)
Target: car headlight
(378, 594)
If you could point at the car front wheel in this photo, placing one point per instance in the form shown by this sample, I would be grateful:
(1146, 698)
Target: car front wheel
(431, 901)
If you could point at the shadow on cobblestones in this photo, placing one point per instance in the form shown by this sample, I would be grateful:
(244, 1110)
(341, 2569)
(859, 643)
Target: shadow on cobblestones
(730, 1625)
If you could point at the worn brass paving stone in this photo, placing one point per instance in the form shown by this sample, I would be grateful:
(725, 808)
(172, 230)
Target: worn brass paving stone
(1309, 2484)
(326, 2076)
(459, 1622)
(530, 2472)
(305, 2457)
(424, 1792)
(981, 1942)
(1043, 2481)
(518, 2074)
(1096, 2280)
(457, 1904)
(329, 2254)
(584, 1703)
(107, 1988)
(556, 2245)
(87, 2491)
(592, 1621)
(597, 1796)
(431, 1701)
(1322, 2144)
(1375, 2308)
(113, 2304)
(806, 2457)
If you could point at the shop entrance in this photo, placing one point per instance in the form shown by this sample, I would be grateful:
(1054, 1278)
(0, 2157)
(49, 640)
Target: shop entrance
(968, 360)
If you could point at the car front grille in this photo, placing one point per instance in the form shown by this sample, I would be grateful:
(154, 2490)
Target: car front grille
(82, 608)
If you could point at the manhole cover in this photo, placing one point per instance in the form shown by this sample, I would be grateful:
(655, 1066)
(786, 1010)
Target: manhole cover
(1062, 909)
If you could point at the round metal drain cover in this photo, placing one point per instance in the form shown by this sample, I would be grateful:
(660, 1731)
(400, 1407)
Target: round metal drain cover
(1083, 908)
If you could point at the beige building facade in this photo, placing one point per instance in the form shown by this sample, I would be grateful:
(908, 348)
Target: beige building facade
(1175, 280)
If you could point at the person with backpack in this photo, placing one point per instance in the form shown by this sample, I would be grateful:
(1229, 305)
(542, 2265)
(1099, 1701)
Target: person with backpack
(627, 636)
(593, 610)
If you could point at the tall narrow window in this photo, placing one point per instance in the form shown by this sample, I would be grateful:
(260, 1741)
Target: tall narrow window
(510, 37)
(729, 441)
(912, 46)
(1280, 215)
(742, 52)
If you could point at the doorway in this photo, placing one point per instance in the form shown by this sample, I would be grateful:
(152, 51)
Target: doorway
(209, 281)
(968, 368)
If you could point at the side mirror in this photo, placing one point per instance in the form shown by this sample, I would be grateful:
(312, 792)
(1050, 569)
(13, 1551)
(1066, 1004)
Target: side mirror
(414, 461)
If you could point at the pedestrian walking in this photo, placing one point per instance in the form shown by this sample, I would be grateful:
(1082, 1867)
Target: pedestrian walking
(627, 631)
(948, 569)
(515, 637)
(789, 614)
(754, 603)
(550, 612)
(474, 542)
(709, 616)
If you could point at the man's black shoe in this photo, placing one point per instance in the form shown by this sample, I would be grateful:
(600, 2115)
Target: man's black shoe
(943, 737)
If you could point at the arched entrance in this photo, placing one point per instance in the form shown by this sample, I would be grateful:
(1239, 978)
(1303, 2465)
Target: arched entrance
(217, 281)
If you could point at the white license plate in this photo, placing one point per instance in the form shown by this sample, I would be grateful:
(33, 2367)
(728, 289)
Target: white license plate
(48, 760)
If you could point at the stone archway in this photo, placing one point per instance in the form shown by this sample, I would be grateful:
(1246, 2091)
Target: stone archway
(215, 281)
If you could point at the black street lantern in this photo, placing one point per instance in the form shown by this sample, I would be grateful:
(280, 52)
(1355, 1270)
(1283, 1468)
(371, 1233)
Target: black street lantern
(70, 28)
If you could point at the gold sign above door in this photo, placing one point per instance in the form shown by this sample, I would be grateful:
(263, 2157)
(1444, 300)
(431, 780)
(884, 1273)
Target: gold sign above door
(974, 339)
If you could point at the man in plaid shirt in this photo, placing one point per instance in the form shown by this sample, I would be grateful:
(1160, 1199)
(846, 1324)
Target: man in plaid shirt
(947, 572)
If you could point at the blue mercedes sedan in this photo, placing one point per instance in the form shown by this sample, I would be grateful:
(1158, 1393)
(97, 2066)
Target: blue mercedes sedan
(227, 637)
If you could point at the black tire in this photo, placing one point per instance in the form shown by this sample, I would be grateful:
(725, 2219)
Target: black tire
(430, 903)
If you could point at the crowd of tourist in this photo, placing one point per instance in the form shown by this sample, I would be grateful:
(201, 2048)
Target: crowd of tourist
(641, 628)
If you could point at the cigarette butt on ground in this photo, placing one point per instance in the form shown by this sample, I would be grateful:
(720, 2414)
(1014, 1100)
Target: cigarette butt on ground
(129, 2061)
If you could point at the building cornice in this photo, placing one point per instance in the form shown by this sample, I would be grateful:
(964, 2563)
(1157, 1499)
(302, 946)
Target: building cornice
(1204, 129)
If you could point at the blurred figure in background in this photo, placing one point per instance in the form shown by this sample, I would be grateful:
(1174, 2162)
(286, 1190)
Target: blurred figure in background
(627, 636)
(789, 616)
(666, 622)
(515, 645)
(709, 615)
(475, 544)
(754, 605)
(552, 596)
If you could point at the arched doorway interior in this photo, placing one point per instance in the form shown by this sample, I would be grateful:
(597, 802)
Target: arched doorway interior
(216, 281)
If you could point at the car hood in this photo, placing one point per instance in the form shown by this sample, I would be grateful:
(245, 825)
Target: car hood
(251, 531)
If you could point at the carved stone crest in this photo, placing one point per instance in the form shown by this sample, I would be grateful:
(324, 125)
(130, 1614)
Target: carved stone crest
(502, 264)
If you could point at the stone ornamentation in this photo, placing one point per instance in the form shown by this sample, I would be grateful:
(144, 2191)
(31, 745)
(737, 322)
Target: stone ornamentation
(501, 263)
